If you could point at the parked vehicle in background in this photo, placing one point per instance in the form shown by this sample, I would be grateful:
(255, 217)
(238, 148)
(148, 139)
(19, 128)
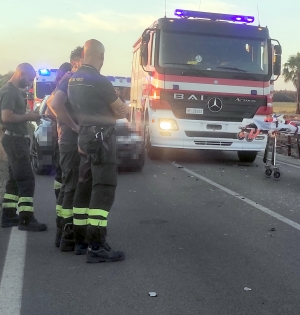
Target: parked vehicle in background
(43, 141)
(197, 78)
(130, 145)
(43, 84)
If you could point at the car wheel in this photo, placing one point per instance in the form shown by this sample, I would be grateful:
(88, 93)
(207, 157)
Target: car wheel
(247, 156)
(141, 162)
(35, 160)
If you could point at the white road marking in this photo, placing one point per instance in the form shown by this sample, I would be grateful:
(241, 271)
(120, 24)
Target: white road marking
(11, 285)
(242, 198)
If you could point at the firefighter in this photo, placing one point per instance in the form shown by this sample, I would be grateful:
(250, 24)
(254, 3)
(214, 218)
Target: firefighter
(20, 185)
(62, 70)
(67, 130)
(97, 107)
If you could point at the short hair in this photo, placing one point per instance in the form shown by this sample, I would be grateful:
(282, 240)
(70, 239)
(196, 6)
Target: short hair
(76, 53)
(63, 69)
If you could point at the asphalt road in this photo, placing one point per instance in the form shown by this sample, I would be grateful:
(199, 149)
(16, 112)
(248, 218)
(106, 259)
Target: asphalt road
(199, 232)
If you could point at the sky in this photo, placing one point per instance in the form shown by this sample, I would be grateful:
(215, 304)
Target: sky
(44, 32)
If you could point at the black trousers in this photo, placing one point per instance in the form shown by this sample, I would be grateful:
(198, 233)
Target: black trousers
(20, 186)
(95, 192)
(69, 163)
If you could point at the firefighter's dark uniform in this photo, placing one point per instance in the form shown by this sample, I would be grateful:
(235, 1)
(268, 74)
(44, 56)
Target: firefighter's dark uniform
(69, 163)
(91, 95)
(20, 185)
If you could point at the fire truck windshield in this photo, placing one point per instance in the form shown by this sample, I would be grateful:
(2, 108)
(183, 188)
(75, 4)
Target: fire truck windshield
(229, 56)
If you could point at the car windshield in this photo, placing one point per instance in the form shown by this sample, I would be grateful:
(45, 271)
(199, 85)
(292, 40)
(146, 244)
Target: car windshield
(213, 53)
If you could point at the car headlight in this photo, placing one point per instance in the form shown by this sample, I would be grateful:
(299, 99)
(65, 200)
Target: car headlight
(168, 124)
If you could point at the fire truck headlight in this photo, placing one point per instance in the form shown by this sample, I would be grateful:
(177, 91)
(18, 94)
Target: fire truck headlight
(168, 124)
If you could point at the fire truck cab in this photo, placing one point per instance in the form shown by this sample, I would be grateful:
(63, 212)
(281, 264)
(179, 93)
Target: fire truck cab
(198, 77)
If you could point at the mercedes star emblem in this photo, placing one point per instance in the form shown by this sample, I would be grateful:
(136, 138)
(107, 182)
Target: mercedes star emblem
(214, 105)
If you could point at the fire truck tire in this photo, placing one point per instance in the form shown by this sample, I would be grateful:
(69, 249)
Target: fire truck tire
(247, 156)
(154, 153)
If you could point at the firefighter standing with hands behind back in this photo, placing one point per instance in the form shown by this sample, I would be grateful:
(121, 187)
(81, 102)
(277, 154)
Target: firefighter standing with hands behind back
(20, 185)
(97, 107)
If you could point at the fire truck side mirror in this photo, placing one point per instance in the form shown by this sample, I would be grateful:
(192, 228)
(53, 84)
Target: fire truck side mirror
(144, 55)
(144, 49)
(277, 60)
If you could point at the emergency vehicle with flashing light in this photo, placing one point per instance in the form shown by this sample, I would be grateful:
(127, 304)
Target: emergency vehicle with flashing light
(43, 84)
(198, 77)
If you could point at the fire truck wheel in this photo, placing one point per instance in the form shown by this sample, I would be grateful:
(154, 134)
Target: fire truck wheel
(153, 153)
(247, 156)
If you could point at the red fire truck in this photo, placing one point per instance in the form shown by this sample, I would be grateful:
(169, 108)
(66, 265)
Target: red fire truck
(200, 76)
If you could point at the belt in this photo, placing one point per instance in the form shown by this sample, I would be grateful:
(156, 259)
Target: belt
(11, 133)
(94, 129)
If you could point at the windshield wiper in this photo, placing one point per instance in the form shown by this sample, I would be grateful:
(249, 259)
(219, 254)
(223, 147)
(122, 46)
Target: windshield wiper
(189, 66)
(232, 68)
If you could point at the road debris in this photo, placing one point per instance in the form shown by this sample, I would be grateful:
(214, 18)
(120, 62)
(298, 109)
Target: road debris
(247, 289)
(152, 294)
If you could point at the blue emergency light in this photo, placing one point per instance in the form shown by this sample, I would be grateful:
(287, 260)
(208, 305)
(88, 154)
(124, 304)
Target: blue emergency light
(214, 16)
(44, 72)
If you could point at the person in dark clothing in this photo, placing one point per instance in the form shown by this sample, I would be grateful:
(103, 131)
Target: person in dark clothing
(20, 186)
(97, 107)
(67, 130)
(58, 186)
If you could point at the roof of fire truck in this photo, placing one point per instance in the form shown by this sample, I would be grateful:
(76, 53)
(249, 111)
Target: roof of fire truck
(212, 23)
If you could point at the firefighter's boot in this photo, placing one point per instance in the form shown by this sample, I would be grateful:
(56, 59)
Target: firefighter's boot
(67, 242)
(98, 249)
(103, 253)
(80, 248)
(27, 222)
(9, 218)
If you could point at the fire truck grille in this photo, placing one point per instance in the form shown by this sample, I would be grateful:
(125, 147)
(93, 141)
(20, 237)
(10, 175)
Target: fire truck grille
(214, 143)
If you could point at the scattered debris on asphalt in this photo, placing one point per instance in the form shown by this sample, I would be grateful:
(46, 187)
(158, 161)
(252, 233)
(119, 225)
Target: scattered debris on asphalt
(272, 229)
(152, 294)
(247, 289)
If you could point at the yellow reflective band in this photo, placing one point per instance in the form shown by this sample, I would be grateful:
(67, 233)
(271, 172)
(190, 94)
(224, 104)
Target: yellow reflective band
(57, 185)
(79, 222)
(96, 222)
(26, 208)
(80, 210)
(58, 207)
(11, 197)
(103, 213)
(9, 205)
(66, 213)
(25, 199)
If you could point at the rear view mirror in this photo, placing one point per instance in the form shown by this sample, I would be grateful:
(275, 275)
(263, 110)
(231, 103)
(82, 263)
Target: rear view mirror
(144, 48)
(277, 60)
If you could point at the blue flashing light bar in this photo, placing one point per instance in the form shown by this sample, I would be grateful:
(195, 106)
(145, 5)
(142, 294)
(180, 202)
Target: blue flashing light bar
(214, 16)
(44, 72)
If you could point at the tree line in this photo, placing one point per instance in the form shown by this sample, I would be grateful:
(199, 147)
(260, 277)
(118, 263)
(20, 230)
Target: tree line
(285, 96)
